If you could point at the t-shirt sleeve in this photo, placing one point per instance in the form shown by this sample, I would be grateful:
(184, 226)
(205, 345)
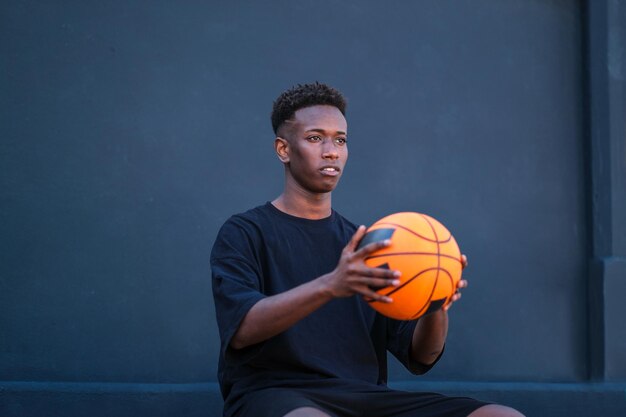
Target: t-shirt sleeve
(399, 339)
(236, 279)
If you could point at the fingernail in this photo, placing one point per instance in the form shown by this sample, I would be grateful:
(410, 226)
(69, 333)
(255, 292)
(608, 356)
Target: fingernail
(387, 242)
(388, 300)
(395, 282)
(397, 274)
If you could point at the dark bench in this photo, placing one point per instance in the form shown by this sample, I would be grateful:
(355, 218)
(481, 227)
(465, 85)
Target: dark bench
(203, 399)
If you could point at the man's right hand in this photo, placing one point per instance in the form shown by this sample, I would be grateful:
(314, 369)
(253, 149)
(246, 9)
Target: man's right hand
(352, 276)
(274, 314)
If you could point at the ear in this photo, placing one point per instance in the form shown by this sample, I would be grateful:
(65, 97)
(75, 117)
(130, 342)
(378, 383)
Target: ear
(281, 146)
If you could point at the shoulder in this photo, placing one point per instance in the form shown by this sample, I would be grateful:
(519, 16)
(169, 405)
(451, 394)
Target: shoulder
(248, 220)
(344, 225)
(241, 232)
(345, 221)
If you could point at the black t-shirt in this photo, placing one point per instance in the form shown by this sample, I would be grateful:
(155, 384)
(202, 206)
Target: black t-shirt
(264, 252)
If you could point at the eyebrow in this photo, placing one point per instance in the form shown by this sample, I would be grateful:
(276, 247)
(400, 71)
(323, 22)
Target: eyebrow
(339, 132)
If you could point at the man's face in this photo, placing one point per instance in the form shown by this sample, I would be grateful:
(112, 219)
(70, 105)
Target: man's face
(317, 148)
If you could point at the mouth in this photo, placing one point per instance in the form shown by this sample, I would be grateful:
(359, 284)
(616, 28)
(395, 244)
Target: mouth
(330, 170)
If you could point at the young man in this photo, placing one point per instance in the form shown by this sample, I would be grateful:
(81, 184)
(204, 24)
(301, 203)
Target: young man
(289, 284)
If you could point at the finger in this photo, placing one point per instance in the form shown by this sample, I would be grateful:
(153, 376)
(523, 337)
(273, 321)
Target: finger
(377, 272)
(356, 238)
(379, 282)
(463, 261)
(455, 297)
(370, 296)
(373, 247)
(462, 284)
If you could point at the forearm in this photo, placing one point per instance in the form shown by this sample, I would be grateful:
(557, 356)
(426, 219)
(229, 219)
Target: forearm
(429, 337)
(275, 314)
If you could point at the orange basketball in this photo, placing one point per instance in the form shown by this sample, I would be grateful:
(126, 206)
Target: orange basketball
(426, 254)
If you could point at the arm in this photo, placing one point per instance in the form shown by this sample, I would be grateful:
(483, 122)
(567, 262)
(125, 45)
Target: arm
(429, 336)
(275, 314)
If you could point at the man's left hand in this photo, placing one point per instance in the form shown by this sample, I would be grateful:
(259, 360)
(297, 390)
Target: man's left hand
(462, 284)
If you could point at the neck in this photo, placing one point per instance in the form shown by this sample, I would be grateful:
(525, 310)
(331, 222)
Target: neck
(301, 203)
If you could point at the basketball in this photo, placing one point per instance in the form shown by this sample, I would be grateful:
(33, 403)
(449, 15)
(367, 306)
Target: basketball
(426, 254)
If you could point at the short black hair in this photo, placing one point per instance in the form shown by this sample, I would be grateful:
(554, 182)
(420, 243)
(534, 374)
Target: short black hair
(305, 95)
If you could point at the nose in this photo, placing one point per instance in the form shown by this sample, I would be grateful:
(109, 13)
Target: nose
(329, 150)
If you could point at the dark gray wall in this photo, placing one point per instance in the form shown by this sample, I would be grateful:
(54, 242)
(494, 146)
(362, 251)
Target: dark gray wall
(606, 55)
(131, 131)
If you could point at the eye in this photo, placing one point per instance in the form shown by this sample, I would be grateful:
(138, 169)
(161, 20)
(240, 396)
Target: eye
(314, 138)
(341, 141)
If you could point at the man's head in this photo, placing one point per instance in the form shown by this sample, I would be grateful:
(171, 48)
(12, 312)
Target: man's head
(305, 95)
(311, 136)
